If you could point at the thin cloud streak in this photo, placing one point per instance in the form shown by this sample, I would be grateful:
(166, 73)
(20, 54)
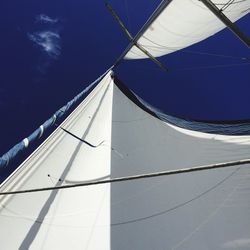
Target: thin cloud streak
(46, 19)
(48, 40)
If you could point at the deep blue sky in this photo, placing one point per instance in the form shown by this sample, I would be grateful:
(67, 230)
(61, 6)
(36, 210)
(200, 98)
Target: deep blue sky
(83, 40)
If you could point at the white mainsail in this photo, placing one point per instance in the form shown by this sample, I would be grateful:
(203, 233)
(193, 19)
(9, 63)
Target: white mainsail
(202, 210)
(183, 23)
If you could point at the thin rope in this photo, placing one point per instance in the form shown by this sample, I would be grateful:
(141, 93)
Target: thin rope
(226, 5)
(214, 66)
(127, 13)
(213, 54)
(229, 3)
(234, 2)
(154, 15)
(131, 39)
(198, 67)
(180, 50)
(206, 220)
(134, 177)
(180, 205)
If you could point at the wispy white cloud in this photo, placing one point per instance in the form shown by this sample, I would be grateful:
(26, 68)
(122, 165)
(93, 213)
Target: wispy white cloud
(46, 19)
(49, 41)
(47, 38)
(237, 244)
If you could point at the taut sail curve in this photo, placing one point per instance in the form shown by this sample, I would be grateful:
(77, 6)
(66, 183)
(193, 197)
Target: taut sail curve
(64, 220)
(111, 135)
(183, 23)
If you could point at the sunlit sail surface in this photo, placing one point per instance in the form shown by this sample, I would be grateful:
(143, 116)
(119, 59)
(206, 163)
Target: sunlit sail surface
(121, 137)
(183, 23)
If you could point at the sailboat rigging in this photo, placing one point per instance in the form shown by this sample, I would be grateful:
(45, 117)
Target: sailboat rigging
(90, 184)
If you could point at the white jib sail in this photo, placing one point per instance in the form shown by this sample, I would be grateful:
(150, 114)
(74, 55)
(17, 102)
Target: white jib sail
(183, 23)
(70, 219)
(201, 210)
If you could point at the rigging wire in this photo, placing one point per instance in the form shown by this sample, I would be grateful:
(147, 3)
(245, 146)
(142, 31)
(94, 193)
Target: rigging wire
(212, 7)
(35, 136)
(157, 46)
(132, 40)
(182, 204)
(208, 4)
(227, 22)
(214, 66)
(213, 54)
(229, 3)
(226, 5)
(134, 177)
(127, 13)
(220, 66)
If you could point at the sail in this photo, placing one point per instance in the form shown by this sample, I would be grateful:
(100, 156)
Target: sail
(115, 135)
(70, 219)
(182, 23)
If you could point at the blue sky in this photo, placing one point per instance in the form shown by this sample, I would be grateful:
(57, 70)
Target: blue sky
(50, 50)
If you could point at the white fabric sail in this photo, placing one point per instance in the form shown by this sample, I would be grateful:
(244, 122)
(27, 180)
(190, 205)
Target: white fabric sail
(183, 23)
(74, 219)
(202, 210)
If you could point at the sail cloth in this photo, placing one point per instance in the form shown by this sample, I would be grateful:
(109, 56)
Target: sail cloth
(227, 127)
(183, 23)
(202, 210)
(57, 219)
(14, 151)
